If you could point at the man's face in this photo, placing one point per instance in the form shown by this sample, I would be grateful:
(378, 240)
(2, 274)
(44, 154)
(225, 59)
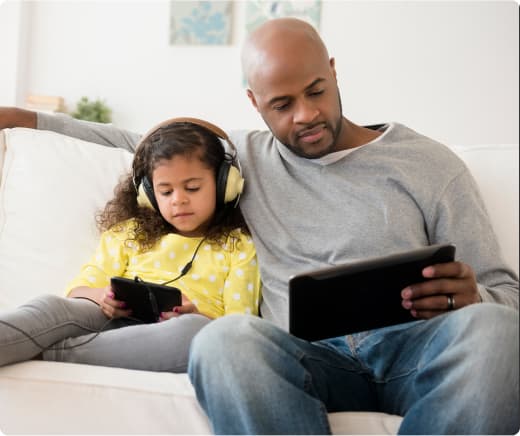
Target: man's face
(298, 99)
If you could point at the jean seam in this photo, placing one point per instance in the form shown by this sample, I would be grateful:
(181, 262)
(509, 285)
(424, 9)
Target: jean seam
(307, 388)
(396, 377)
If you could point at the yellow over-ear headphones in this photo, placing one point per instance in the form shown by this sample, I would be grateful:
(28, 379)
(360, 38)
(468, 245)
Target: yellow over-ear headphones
(229, 181)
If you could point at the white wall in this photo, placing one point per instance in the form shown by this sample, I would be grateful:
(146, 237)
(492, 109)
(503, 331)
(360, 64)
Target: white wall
(447, 69)
(13, 49)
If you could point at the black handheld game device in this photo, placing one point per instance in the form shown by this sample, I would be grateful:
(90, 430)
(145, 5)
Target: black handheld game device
(147, 300)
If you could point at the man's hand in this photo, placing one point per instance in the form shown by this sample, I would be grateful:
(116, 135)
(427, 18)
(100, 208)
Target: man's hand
(451, 286)
(16, 117)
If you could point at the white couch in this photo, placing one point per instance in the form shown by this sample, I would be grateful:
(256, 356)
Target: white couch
(51, 185)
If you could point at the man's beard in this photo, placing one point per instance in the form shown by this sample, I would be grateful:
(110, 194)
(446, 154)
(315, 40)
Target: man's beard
(331, 147)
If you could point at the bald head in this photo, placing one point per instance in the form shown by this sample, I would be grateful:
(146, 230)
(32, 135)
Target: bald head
(275, 42)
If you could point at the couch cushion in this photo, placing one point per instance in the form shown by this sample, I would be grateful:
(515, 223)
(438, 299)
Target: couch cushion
(66, 398)
(2, 152)
(495, 168)
(40, 251)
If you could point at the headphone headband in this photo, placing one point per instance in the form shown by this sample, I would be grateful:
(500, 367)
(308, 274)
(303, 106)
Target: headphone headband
(197, 121)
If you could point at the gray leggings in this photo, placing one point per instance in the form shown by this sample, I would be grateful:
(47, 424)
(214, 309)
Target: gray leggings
(61, 323)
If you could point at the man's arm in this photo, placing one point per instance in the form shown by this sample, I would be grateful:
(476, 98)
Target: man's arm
(104, 134)
(16, 117)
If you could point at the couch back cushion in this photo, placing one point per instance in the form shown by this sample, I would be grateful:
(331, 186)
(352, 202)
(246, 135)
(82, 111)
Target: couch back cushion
(51, 187)
(495, 168)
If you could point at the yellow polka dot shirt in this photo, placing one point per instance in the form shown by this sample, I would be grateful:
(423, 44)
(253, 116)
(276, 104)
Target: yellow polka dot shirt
(222, 279)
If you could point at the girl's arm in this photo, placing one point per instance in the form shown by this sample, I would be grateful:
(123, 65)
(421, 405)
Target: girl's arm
(97, 295)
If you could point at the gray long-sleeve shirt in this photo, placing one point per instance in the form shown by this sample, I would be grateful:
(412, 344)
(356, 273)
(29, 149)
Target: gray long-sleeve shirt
(399, 192)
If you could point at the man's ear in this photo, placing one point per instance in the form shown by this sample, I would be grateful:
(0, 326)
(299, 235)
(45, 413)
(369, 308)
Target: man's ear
(332, 64)
(252, 98)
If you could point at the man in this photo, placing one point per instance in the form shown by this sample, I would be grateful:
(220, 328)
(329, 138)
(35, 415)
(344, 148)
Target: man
(320, 191)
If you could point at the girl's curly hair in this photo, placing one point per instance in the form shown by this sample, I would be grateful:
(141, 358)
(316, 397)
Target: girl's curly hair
(174, 139)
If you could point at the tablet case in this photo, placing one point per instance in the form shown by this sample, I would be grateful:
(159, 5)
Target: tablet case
(358, 296)
(147, 300)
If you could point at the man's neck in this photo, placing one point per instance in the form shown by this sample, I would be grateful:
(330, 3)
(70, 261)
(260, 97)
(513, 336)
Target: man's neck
(353, 135)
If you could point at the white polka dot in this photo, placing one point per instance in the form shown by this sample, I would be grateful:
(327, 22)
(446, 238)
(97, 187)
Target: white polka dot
(195, 276)
(186, 246)
(91, 279)
(225, 268)
(250, 287)
(163, 244)
(236, 296)
(171, 254)
(116, 265)
(253, 262)
(112, 252)
(99, 258)
(109, 238)
(205, 291)
(227, 284)
(248, 310)
(134, 261)
(212, 278)
(195, 302)
(239, 272)
(157, 264)
(242, 256)
(220, 291)
(220, 256)
(207, 247)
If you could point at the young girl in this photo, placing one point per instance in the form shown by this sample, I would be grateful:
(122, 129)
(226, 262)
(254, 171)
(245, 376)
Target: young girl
(173, 219)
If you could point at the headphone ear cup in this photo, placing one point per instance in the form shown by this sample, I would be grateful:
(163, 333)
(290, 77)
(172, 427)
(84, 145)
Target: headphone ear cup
(230, 183)
(146, 196)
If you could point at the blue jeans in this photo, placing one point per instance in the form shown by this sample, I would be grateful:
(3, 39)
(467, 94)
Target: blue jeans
(454, 374)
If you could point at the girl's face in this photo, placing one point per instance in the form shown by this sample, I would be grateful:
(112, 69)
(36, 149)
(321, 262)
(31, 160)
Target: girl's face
(185, 190)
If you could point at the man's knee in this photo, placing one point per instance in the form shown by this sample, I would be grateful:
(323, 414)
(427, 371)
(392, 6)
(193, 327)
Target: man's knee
(223, 334)
(489, 321)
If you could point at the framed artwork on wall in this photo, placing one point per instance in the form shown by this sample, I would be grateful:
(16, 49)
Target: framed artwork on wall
(200, 22)
(259, 11)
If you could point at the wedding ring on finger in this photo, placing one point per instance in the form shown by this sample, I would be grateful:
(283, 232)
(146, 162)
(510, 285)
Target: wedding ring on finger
(451, 302)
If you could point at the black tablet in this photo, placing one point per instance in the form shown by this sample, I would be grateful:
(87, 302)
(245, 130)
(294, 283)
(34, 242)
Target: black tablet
(358, 296)
(147, 300)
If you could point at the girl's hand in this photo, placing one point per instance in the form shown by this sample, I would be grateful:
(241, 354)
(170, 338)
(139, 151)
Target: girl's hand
(187, 307)
(112, 308)
(453, 285)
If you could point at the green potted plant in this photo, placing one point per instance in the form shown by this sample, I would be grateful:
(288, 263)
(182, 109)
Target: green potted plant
(96, 111)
